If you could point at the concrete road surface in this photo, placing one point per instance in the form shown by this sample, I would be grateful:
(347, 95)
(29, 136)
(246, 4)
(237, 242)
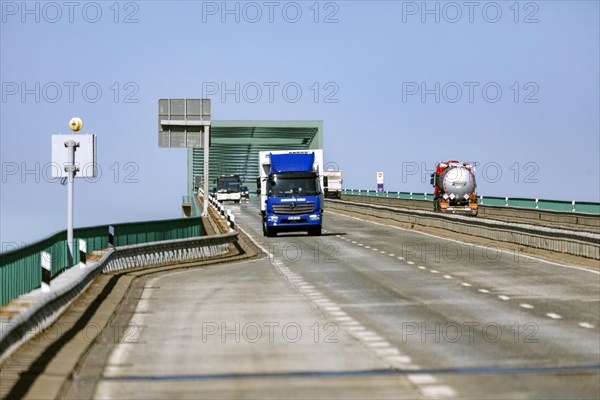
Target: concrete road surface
(366, 311)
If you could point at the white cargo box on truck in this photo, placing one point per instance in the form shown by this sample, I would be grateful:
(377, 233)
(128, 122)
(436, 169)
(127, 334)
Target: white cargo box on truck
(333, 184)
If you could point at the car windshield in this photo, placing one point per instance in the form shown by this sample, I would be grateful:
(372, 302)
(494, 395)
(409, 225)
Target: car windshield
(285, 186)
(229, 184)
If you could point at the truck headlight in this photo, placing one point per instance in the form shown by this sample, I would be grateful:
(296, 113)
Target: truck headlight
(314, 217)
(273, 218)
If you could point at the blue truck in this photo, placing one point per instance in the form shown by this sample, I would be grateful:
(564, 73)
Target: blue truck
(290, 187)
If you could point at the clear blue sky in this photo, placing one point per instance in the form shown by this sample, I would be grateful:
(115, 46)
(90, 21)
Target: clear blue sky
(397, 91)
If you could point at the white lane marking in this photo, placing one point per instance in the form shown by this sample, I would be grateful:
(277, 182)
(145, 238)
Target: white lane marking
(332, 308)
(313, 296)
(437, 391)
(323, 301)
(466, 284)
(307, 286)
(586, 325)
(410, 263)
(353, 242)
(421, 267)
(387, 352)
(350, 322)
(357, 328)
(378, 344)
(392, 255)
(374, 249)
(503, 297)
(400, 258)
(382, 252)
(448, 276)
(366, 333)
(344, 319)
(421, 379)
(324, 304)
(399, 359)
(486, 247)
(553, 315)
(367, 247)
(337, 236)
(433, 271)
(338, 313)
(525, 305)
(484, 290)
(375, 338)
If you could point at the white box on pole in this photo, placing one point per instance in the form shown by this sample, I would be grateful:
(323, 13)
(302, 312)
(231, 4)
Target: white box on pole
(85, 155)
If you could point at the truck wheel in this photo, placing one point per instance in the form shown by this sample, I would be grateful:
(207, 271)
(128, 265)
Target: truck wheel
(436, 205)
(264, 229)
(271, 232)
(315, 231)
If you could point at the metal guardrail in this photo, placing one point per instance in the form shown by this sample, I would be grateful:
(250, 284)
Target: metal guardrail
(539, 204)
(20, 269)
(118, 258)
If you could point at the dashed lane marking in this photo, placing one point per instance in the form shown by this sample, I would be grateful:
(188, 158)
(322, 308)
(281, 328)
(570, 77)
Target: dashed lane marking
(437, 391)
(422, 379)
(387, 352)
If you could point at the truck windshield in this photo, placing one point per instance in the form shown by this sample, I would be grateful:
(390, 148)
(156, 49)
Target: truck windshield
(292, 185)
(228, 184)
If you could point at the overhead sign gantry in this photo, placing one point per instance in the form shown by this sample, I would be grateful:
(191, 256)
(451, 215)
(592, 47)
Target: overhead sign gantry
(186, 123)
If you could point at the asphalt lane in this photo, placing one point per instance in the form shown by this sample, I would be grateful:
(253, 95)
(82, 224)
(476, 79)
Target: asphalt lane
(451, 306)
(382, 313)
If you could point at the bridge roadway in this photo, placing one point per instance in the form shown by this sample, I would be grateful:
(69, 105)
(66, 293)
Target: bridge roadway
(364, 311)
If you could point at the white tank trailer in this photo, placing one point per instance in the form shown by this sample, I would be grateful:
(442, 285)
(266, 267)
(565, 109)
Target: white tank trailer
(454, 188)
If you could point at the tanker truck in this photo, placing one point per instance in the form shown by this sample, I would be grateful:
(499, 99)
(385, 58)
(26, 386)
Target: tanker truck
(290, 188)
(454, 188)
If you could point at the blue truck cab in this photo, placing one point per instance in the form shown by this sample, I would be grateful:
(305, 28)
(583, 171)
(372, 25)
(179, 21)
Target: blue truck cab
(291, 191)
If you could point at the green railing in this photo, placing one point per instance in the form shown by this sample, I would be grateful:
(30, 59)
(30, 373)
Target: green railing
(20, 269)
(396, 195)
(541, 204)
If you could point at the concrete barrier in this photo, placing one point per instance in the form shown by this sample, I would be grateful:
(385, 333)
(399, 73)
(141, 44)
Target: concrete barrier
(47, 308)
(577, 221)
(583, 244)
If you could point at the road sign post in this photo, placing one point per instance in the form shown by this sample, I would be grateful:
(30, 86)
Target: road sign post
(75, 156)
(379, 181)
